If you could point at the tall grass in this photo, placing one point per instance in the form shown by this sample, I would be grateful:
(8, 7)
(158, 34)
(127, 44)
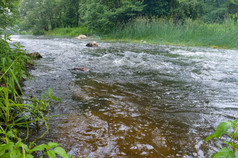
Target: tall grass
(71, 32)
(195, 33)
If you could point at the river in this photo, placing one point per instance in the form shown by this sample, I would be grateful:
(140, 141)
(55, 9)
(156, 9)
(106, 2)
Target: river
(137, 100)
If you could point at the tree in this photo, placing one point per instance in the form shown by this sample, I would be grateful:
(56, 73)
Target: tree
(7, 13)
(38, 15)
(102, 15)
(161, 8)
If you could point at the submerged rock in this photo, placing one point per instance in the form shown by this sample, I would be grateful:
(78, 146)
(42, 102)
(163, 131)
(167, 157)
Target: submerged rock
(35, 55)
(92, 44)
(82, 69)
(82, 37)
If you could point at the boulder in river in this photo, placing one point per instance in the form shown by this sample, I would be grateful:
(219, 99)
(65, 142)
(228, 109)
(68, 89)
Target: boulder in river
(82, 37)
(92, 44)
(35, 55)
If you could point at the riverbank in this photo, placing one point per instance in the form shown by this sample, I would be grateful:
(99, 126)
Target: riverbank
(165, 32)
(18, 114)
(189, 33)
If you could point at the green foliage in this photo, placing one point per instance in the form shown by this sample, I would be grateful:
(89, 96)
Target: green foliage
(231, 145)
(19, 149)
(40, 16)
(72, 32)
(13, 113)
(7, 13)
(190, 32)
(12, 65)
(41, 105)
(101, 15)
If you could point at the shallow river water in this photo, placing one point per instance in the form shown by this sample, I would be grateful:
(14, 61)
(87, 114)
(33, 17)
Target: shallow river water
(137, 100)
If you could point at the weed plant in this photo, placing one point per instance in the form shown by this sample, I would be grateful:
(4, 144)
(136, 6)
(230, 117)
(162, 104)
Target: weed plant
(226, 131)
(188, 32)
(13, 113)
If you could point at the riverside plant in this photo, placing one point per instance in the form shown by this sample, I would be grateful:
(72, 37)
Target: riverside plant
(14, 114)
(188, 32)
(228, 129)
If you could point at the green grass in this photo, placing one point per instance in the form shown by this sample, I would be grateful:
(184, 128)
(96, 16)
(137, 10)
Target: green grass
(71, 32)
(192, 33)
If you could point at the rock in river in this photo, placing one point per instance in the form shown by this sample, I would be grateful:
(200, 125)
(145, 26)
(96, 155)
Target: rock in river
(82, 69)
(35, 55)
(82, 37)
(92, 44)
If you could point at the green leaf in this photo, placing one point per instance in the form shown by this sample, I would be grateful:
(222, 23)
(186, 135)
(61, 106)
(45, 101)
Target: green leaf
(221, 129)
(51, 154)
(41, 147)
(5, 147)
(60, 151)
(10, 134)
(52, 145)
(224, 153)
(25, 147)
(209, 137)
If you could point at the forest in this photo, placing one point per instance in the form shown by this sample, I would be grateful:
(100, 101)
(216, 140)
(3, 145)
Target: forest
(104, 16)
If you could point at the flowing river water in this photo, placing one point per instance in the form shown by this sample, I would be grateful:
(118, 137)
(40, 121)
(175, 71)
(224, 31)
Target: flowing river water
(137, 100)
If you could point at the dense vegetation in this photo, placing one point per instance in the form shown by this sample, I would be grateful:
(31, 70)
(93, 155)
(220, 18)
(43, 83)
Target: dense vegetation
(103, 15)
(193, 33)
(168, 19)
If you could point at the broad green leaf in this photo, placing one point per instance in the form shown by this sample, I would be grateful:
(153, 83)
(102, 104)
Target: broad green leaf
(51, 154)
(52, 145)
(8, 147)
(13, 154)
(223, 127)
(220, 130)
(2, 150)
(18, 144)
(224, 153)
(41, 147)
(6, 155)
(60, 151)
(210, 136)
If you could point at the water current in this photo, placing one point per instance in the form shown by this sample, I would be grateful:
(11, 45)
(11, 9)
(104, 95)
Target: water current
(137, 100)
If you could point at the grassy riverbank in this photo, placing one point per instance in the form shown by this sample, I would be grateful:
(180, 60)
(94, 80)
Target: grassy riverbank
(191, 33)
(160, 31)
(16, 113)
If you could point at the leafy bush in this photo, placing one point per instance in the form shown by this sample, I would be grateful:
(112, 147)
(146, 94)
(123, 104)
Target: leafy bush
(231, 144)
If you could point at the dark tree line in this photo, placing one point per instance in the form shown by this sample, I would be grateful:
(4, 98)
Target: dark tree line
(103, 15)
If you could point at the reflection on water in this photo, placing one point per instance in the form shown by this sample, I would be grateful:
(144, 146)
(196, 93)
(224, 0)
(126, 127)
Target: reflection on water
(136, 100)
